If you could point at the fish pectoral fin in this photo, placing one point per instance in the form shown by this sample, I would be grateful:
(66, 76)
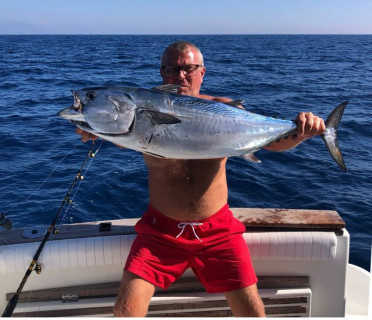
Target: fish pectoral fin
(235, 103)
(251, 157)
(161, 118)
(168, 87)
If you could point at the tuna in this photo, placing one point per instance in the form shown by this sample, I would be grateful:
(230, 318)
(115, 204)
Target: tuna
(164, 124)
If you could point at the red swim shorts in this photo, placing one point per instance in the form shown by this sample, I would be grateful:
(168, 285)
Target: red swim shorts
(214, 248)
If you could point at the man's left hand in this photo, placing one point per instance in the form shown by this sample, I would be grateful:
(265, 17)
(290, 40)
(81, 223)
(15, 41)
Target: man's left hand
(309, 125)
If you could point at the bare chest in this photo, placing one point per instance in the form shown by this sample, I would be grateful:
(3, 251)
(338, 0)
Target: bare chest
(186, 170)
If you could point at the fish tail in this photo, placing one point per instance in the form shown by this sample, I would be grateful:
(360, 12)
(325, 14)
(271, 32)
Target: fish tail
(330, 134)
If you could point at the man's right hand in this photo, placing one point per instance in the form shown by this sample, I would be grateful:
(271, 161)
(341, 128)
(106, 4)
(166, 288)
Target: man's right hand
(86, 136)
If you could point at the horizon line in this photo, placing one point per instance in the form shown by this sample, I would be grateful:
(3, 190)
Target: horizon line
(184, 34)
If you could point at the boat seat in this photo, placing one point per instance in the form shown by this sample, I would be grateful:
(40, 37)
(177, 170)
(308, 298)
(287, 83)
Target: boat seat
(113, 250)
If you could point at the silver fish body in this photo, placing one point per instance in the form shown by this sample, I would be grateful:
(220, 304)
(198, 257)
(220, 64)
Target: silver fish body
(169, 125)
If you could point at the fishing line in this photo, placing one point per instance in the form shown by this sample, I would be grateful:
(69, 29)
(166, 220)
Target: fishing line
(78, 185)
(33, 193)
(42, 184)
(34, 263)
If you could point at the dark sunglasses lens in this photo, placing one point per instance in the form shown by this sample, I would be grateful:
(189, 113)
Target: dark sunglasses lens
(190, 69)
(171, 71)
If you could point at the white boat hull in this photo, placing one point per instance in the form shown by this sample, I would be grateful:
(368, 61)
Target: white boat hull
(319, 255)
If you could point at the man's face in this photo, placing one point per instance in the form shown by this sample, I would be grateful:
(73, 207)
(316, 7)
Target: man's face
(190, 84)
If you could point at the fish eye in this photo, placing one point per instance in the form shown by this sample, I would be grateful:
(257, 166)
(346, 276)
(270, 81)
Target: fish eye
(90, 95)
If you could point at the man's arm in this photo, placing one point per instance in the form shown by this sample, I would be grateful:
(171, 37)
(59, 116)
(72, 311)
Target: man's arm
(218, 99)
(309, 125)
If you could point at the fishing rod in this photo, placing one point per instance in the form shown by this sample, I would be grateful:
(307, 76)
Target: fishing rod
(13, 302)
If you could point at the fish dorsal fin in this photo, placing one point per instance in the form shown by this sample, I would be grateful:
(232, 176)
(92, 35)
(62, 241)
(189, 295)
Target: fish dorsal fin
(235, 103)
(161, 118)
(168, 87)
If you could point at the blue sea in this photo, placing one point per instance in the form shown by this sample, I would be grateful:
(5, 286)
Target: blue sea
(277, 75)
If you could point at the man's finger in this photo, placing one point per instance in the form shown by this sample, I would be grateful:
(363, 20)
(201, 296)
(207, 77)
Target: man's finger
(300, 120)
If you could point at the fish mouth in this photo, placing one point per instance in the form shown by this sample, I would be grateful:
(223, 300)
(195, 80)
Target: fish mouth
(76, 117)
(71, 113)
(75, 111)
(77, 105)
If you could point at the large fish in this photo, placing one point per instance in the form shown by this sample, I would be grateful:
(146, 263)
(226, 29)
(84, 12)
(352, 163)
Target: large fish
(164, 124)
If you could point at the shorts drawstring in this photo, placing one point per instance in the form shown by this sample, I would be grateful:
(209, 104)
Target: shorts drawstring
(182, 225)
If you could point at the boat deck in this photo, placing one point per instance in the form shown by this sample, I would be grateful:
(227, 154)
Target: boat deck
(300, 257)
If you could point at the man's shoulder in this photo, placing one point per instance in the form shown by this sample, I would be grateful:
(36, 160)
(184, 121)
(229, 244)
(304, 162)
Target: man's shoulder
(218, 99)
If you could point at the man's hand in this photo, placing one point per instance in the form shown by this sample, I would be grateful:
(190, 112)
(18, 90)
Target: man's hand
(86, 136)
(308, 124)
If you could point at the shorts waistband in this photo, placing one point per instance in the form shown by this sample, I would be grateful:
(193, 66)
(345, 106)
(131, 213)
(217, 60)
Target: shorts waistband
(210, 229)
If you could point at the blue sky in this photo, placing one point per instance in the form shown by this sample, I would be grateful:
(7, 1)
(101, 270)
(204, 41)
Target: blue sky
(185, 17)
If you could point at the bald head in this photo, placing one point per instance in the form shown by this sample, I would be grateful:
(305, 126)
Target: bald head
(180, 47)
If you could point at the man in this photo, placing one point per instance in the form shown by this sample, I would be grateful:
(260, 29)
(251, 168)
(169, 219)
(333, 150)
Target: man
(188, 223)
